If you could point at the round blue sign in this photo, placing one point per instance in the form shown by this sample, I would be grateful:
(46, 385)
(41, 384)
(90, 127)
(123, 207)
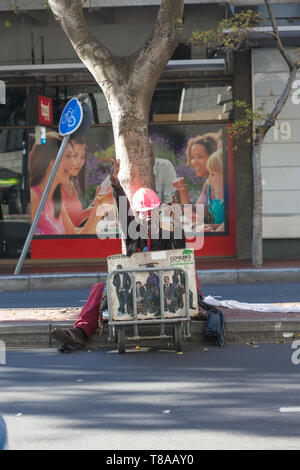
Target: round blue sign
(71, 117)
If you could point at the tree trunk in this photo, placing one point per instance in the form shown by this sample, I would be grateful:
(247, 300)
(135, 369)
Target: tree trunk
(130, 116)
(261, 131)
(128, 83)
(132, 148)
(257, 252)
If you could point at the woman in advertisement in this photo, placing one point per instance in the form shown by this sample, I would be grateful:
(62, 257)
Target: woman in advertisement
(215, 185)
(55, 219)
(198, 151)
(69, 193)
(74, 190)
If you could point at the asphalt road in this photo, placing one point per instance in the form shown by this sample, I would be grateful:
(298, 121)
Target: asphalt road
(251, 293)
(237, 397)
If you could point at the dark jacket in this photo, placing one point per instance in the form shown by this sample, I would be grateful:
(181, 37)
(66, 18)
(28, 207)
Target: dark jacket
(163, 240)
(126, 284)
(178, 278)
(141, 292)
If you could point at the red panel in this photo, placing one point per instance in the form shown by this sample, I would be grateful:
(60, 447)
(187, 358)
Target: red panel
(45, 111)
(74, 248)
(68, 248)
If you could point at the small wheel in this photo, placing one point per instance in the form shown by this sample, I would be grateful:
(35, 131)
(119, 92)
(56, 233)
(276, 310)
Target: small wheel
(177, 334)
(121, 340)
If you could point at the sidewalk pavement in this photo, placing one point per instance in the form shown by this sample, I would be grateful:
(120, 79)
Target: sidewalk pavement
(56, 274)
(30, 328)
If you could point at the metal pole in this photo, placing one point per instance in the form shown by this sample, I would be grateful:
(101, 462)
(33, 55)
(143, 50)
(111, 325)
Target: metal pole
(162, 304)
(41, 205)
(24, 178)
(135, 327)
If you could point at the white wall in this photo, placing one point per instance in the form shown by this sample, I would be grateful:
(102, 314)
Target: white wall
(281, 149)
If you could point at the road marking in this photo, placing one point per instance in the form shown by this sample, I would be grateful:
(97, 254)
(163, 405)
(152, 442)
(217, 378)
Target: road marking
(114, 351)
(290, 409)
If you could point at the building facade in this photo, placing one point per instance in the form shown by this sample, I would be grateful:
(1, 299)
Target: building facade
(194, 96)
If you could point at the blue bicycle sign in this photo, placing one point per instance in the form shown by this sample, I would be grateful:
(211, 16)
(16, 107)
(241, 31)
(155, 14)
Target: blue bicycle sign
(71, 117)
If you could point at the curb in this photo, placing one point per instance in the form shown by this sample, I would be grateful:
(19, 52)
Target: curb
(245, 276)
(37, 335)
(51, 281)
(86, 280)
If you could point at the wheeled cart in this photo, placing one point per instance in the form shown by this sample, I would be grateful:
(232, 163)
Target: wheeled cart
(178, 323)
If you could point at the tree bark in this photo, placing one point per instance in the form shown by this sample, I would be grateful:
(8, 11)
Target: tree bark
(257, 251)
(128, 83)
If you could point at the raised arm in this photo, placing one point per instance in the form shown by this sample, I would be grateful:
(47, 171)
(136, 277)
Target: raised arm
(121, 200)
(161, 43)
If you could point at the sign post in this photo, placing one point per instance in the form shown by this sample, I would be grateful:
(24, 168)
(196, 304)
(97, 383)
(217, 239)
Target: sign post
(70, 121)
(2, 92)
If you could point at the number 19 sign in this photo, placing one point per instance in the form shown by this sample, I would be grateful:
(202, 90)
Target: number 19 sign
(71, 117)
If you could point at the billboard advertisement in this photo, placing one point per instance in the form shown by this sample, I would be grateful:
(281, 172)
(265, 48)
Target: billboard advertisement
(193, 162)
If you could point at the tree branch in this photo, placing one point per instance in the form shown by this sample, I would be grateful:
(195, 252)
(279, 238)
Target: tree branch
(69, 14)
(293, 67)
(291, 64)
(279, 104)
(156, 51)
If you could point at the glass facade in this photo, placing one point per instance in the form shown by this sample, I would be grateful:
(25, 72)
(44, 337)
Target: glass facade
(187, 101)
(192, 101)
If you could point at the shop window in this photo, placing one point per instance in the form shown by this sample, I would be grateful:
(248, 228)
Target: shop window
(95, 99)
(12, 113)
(14, 204)
(165, 105)
(182, 52)
(172, 101)
(200, 101)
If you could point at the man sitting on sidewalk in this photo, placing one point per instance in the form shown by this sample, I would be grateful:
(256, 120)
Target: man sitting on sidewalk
(143, 203)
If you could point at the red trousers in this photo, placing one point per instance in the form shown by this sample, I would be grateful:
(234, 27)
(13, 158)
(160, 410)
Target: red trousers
(89, 315)
(88, 318)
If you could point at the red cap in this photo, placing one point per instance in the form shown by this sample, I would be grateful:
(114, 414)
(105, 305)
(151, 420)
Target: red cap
(144, 199)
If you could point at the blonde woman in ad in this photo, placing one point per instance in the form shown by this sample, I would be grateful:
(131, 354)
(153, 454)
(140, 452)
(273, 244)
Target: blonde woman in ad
(215, 185)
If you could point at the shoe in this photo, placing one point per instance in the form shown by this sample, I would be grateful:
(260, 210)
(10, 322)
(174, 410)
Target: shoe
(74, 336)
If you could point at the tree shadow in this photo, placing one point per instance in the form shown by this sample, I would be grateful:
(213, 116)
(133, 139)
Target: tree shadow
(235, 389)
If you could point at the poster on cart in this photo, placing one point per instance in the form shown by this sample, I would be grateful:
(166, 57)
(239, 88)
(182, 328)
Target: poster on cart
(141, 272)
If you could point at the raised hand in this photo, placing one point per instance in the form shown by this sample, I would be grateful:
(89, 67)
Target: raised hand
(180, 184)
(114, 172)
